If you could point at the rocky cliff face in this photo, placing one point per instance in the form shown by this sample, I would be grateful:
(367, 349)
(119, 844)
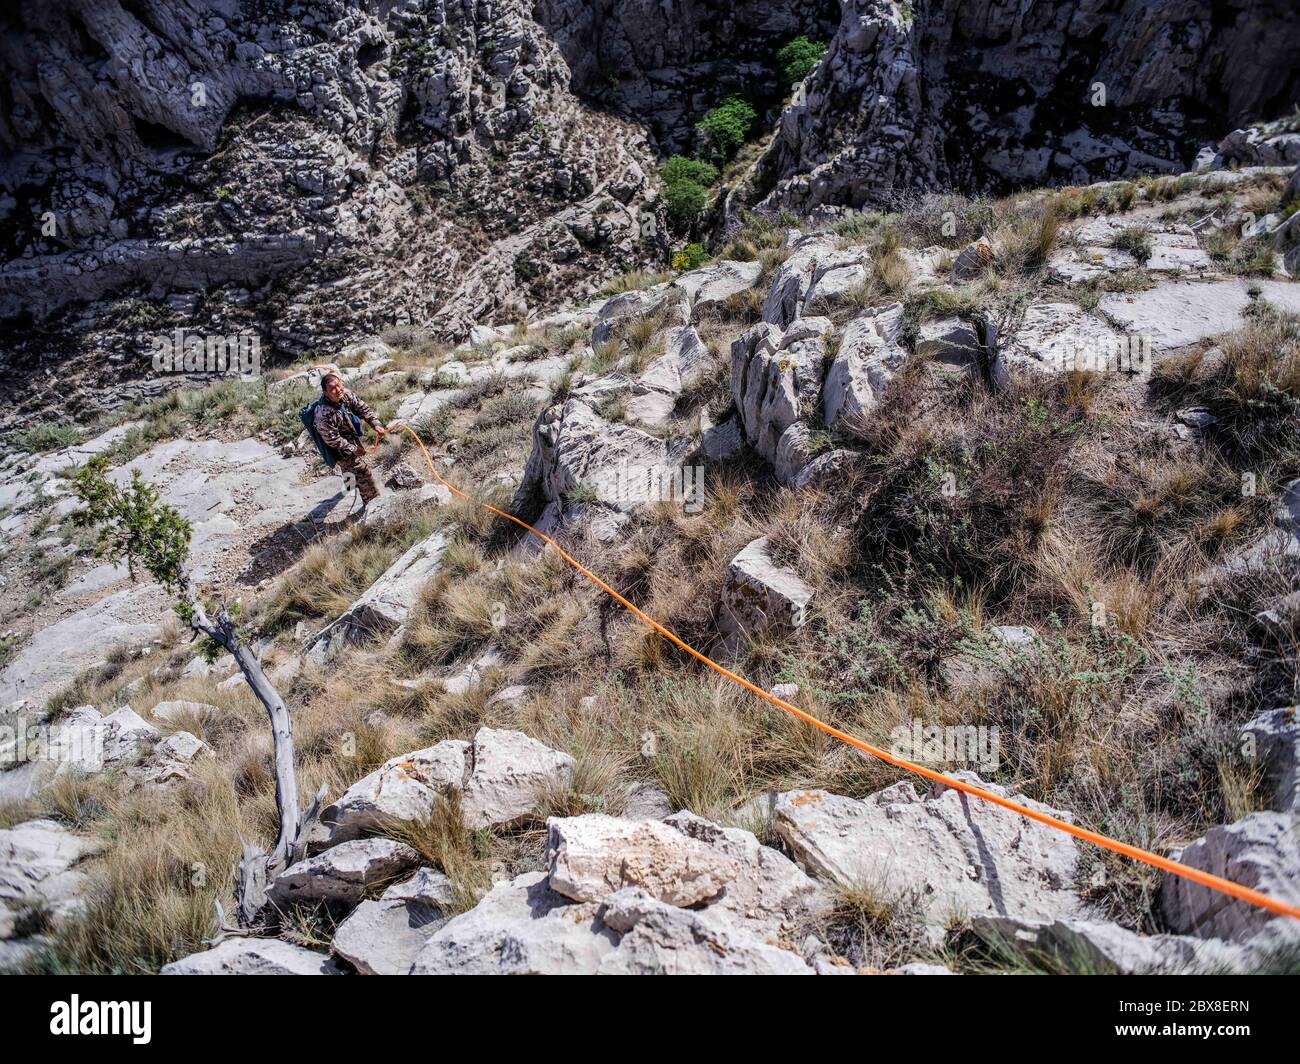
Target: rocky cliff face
(305, 171)
(989, 96)
(316, 172)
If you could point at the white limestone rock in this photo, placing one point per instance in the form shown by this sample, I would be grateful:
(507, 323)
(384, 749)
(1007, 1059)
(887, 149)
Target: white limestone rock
(387, 602)
(521, 927)
(253, 956)
(343, 874)
(760, 597)
(594, 855)
(1261, 851)
(384, 936)
(950, 853)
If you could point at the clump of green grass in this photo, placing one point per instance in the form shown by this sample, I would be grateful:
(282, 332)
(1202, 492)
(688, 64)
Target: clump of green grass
(1136, 240)
(46, 436)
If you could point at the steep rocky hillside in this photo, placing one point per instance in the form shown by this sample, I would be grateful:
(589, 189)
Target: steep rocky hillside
(959, 414)
(315, 173)
(912, 486)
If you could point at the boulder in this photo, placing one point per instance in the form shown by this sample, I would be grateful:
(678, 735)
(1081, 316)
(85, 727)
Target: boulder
(1099, 948)
(177, 710)
(343, 874)
(760, 597)
(1273, 742)
(978, 664)
(384, 936)
(124, 733)
(171, 760)
(387, 602)
(770, 895)
(723, 440)
(575, 449)
(776, 380)
(646, 802)
(834, 287)
(1261, 851)
(521, 927)
(671, 303)
(654, 393)
(949, 853)
(662, 939)
(952, 342)
(253, 956)
(501, 776)
(974, 260)
(510, 773)
(37, 859)
(717, 281)
(404, 789)
(595, 855)
(869, 354)
(810, 257)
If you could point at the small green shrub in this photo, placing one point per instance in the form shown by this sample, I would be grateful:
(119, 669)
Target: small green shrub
(723, 129)
(686, 190)
(690, 257)
(796, 59)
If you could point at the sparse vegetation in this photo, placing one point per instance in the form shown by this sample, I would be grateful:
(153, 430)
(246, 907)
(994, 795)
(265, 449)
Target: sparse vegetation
(46, 437)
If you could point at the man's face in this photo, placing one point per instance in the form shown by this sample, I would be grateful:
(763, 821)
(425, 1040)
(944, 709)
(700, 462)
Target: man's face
(334, 390)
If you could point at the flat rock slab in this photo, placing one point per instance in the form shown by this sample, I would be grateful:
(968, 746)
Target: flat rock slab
(225, 489)
(950, 853)
(395, 506)
(234, 494)
(56, 653)
(253, 956)
(1180, 313)
(1058, 337)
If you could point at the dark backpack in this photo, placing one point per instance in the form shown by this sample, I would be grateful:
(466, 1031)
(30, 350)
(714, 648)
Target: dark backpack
(307, 415)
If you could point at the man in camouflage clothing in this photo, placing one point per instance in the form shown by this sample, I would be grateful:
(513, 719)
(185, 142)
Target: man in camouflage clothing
(334, 423)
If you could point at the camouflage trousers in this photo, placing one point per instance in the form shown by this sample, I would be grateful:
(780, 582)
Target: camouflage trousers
(356, 471)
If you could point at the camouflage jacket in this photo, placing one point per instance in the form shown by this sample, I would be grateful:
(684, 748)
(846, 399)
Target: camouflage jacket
(335, 426)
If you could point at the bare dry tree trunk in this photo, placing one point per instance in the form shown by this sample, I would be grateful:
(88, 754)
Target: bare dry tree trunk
(257, 867)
